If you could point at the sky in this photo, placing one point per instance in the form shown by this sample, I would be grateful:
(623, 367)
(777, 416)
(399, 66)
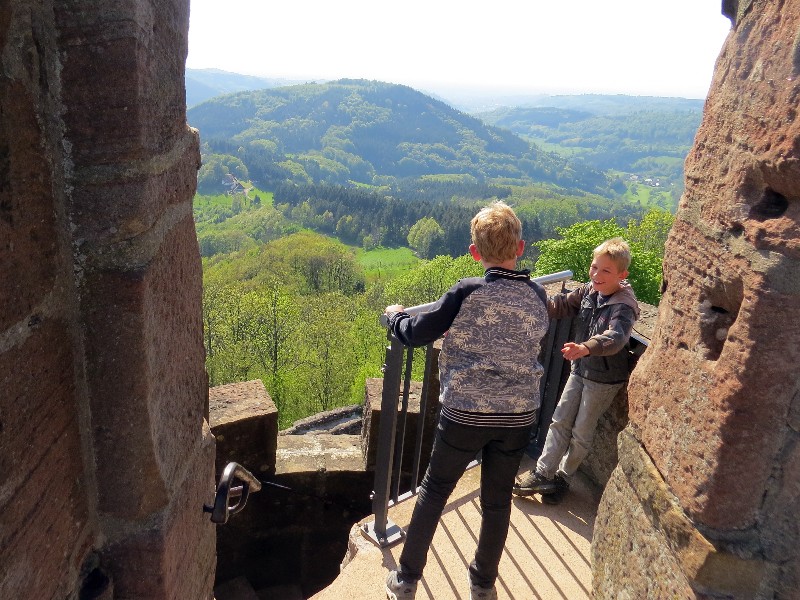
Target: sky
(636, 47)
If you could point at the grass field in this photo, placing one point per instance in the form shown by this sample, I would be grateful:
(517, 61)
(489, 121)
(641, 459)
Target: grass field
(202, 201)
(384, 263)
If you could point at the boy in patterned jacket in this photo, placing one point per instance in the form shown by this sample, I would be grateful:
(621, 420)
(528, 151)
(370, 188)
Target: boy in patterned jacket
(606, 310)
(489, 374)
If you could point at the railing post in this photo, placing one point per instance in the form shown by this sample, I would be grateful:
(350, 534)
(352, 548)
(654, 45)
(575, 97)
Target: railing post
(423, 413)
(382, 531)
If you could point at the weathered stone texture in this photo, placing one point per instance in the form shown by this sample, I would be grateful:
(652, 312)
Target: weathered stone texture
(105, 463)
(628, 561)
(711, 400)
(44, 518)
(174, 556)
(244, 421)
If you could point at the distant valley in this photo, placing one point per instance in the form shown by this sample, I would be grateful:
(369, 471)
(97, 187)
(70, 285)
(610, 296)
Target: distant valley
(358, 132)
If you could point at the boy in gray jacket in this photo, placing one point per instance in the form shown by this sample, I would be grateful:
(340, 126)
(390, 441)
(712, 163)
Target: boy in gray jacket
(606, 309)
(489, 374)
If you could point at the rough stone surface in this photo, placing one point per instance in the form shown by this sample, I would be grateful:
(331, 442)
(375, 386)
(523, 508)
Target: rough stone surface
(712, 398)
(44, 516)
(105, 463)
(343, 420)
(295, 528)
(244, 421)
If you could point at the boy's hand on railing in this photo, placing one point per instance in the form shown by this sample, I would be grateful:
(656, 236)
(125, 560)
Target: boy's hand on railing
(394, 308)
(573, 351)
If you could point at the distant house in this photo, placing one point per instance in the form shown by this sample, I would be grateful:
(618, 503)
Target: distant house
(235, 186)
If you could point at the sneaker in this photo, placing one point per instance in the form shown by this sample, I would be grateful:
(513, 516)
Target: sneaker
(477, 592)
(399, 590)
(562, 487)
(533, 483)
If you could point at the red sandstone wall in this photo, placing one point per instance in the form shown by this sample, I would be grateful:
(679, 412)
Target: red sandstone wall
(104, 458)
(714, 402)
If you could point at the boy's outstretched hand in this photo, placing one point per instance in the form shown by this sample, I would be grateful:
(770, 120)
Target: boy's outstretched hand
(573, 351)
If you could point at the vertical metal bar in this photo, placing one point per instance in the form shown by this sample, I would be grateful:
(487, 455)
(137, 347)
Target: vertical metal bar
(423, 412)
(379, 531)
(401, 427)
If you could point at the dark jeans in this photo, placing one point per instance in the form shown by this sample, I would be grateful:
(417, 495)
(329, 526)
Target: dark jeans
(453, 449)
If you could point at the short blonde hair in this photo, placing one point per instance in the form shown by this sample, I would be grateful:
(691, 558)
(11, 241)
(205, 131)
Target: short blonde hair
(617, 250)
(496, 232)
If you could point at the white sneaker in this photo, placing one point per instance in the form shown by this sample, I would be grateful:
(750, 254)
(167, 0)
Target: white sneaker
(477, 592)
(399, 590)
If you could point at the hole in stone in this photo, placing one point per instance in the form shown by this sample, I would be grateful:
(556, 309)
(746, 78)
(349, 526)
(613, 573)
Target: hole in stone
(719, 308)
(771, 206)
(663, 289)
(736, 230)
(94, 585)
(683, 346)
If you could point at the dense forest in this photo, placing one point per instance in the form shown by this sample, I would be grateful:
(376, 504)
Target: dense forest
(320, 204)
(370, 133)
(646, 139)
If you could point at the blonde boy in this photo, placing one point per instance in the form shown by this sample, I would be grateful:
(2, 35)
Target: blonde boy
(606, 310)
(489, 374)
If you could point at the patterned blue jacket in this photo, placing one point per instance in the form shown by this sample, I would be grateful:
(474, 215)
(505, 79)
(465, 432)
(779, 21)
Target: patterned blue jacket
(489, 368)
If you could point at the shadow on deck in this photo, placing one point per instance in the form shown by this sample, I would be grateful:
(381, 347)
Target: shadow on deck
(547, 555)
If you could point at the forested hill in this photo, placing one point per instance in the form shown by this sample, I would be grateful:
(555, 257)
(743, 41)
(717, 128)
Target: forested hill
(366, 132)
(645, 136)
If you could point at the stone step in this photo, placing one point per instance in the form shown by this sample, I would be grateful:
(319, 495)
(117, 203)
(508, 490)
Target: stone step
(240, 588)
(235, 589)
(281, 592)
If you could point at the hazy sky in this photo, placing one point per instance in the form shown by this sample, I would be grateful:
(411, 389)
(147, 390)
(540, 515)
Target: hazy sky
(640, 47)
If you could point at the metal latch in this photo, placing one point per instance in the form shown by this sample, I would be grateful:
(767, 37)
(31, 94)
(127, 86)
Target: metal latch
(226, 491)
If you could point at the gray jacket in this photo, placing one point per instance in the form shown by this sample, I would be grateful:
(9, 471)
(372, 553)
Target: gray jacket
(603, 328)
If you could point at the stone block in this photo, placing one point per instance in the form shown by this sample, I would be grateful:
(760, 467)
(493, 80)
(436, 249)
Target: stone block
(638, 510)
(371, 423)
(122, 79)
(175, 556)
(244, 421)
(29, 260)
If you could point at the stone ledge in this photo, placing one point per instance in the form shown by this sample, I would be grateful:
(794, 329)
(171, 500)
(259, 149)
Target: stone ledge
(705, 567)
(244, 421)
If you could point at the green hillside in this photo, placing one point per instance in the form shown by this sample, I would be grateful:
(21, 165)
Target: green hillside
(643, 141)
(369, 133)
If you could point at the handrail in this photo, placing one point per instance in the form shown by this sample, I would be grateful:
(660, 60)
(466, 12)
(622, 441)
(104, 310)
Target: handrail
(541, 280)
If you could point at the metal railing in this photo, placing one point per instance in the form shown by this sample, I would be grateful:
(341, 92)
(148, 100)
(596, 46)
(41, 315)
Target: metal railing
(394, 413)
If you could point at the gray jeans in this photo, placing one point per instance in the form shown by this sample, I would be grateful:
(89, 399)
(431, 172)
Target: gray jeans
(575, 418)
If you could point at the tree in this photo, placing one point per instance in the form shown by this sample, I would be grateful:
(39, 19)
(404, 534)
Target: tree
(652, 231)
(426, 237)
(573, 251)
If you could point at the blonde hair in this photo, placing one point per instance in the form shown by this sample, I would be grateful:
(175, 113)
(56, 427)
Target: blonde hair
(617, 250)
(496, 232)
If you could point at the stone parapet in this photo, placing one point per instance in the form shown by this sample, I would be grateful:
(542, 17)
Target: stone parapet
(244, 421)
(372, 416)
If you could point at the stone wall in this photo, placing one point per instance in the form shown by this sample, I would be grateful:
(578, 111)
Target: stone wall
(709, 471)
(105, 461)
